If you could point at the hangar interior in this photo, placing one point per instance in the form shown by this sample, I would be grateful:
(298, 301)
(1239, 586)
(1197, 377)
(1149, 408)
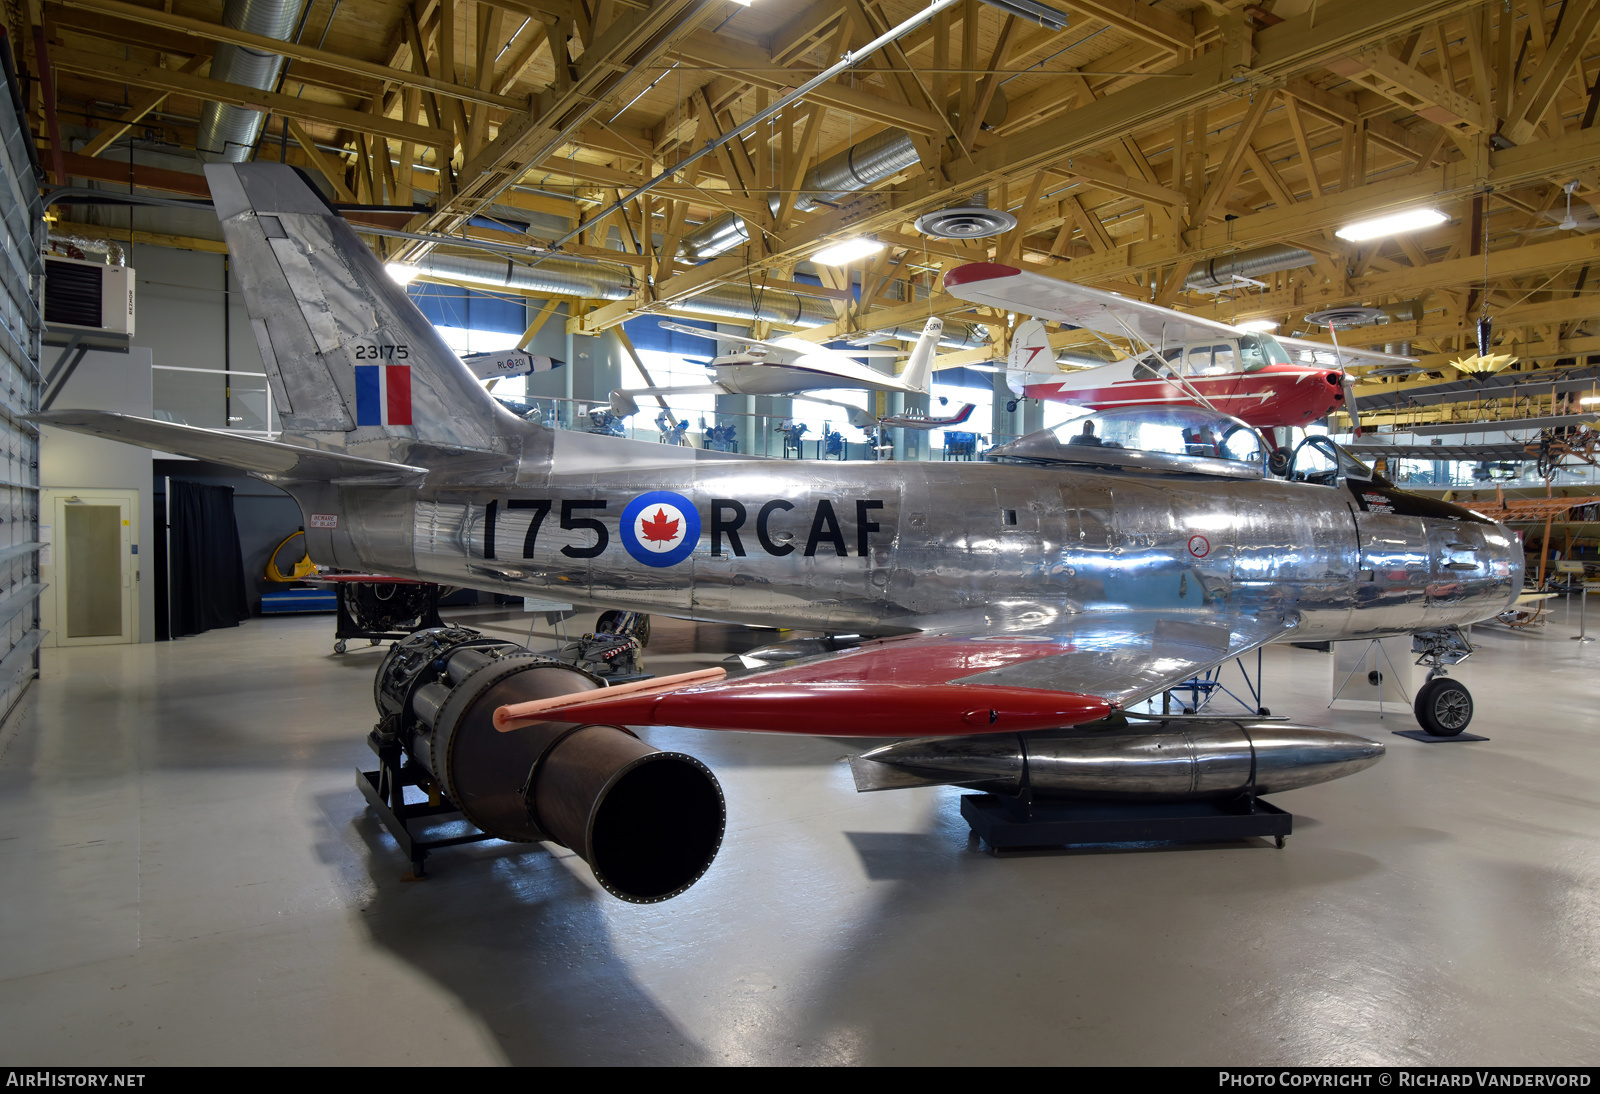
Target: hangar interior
(192, 875)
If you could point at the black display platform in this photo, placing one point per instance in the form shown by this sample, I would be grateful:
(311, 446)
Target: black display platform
(1006, 825)
(1430, 739)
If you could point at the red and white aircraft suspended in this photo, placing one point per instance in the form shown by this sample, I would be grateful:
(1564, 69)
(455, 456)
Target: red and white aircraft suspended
(1177, 358)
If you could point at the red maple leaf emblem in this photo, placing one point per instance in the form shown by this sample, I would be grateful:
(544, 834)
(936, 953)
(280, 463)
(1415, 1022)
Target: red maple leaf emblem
(659, 529)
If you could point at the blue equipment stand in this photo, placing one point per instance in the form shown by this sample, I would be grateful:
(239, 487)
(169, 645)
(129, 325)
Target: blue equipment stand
(1011, 824)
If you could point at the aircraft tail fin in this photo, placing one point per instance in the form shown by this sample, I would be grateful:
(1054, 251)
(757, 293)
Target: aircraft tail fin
(1032, 357)
(350, 358)
(920, 368)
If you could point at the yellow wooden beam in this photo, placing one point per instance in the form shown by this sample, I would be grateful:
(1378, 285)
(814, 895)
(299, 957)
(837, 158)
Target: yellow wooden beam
(328, 168)
(217, 32)
(285, 106)
(754, 66)
(538, 321)
(141, 106)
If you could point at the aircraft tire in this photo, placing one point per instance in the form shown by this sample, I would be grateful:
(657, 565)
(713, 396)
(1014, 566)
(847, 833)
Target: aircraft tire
(1443, 707)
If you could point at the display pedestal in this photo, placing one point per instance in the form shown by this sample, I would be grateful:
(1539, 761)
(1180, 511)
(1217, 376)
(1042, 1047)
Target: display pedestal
(1350, 685)
(385, 791)
(1006, 824)
(1430, 739)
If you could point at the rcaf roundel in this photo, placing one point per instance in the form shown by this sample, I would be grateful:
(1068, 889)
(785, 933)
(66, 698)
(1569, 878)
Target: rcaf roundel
(660, 528)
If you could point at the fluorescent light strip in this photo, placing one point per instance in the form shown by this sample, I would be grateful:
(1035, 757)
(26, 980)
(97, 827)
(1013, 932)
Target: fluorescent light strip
(839, 254)
(1393, 224)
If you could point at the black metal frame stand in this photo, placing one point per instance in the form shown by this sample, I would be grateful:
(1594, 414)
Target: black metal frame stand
(385, 791)
(1008, 824)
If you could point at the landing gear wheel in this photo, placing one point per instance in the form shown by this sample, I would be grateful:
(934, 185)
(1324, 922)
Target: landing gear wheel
(1011, 406)
(1443, 707)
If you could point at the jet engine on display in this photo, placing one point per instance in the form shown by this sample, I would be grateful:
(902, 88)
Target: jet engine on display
(1010, 617)
(647, 822)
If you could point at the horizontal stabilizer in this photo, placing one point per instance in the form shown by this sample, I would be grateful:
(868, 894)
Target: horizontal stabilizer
(272, 460)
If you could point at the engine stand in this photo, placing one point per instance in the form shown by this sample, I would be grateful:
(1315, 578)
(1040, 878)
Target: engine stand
(1008, 824)
(385, 791)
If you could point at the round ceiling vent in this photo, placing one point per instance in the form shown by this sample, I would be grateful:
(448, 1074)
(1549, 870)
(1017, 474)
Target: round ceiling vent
(1352, 316)
(965, 222)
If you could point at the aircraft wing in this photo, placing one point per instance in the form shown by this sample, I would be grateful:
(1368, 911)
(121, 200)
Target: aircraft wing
(1011, 289)
(976, 676)
(1322, 354)
(272, 460)
(793, 345)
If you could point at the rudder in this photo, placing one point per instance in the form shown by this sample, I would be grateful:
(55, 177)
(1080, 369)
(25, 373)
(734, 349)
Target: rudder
(1032, 357)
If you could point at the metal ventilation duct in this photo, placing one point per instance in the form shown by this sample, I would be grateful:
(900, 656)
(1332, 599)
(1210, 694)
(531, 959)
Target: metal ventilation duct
(1219, 273)
(230, 132)
(558, 276)
(857, 167)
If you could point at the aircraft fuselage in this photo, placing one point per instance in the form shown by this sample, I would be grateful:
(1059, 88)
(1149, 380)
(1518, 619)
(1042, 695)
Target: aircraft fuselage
(878, 547)
(1271, 396)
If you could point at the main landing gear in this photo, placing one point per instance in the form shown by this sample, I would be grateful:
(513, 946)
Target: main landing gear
(1443, 706)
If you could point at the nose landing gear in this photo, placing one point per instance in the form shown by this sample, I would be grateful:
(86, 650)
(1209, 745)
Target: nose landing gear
(1443, 706)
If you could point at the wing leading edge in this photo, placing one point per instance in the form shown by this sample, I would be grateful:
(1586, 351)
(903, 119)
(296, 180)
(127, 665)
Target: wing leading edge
(969, 679)
(1107, 313)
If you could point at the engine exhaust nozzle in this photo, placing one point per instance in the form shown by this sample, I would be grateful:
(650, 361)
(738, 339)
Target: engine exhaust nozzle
(647, 822)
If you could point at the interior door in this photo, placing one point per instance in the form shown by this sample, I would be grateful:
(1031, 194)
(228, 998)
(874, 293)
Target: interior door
(91, 567)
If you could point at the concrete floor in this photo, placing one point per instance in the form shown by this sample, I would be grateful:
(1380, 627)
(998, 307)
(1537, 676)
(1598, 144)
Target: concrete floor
(191, 877)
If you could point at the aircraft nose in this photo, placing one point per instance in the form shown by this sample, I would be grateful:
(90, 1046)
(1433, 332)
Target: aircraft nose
(1503, 551)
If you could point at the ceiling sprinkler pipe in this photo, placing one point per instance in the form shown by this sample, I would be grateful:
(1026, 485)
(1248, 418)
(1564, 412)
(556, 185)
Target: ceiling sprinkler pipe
(1220, 273)
(851, 59)
(228, 133)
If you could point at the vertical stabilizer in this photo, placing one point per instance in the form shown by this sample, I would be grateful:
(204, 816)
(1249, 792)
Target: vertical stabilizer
(1032, 358)
(920, 367)
(350, 358)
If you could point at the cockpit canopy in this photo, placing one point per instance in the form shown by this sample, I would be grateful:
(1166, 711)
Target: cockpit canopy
(1247, 353)
(1187, 439)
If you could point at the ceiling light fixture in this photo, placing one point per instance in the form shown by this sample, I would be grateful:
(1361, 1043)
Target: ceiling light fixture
(1032, 11)
(847, 251)
(1259, 324)
(1392, 224)
(402, 273)
(1589, 400)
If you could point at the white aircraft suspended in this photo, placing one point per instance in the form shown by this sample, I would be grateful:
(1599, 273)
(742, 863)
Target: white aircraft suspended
(500, 364)
(1177, 358)
(793, 366)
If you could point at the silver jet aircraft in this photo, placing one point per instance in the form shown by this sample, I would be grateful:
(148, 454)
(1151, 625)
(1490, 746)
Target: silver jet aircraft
(1010, 614)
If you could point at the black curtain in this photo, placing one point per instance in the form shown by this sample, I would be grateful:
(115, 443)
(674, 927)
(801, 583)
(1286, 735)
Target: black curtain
(207, 566)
